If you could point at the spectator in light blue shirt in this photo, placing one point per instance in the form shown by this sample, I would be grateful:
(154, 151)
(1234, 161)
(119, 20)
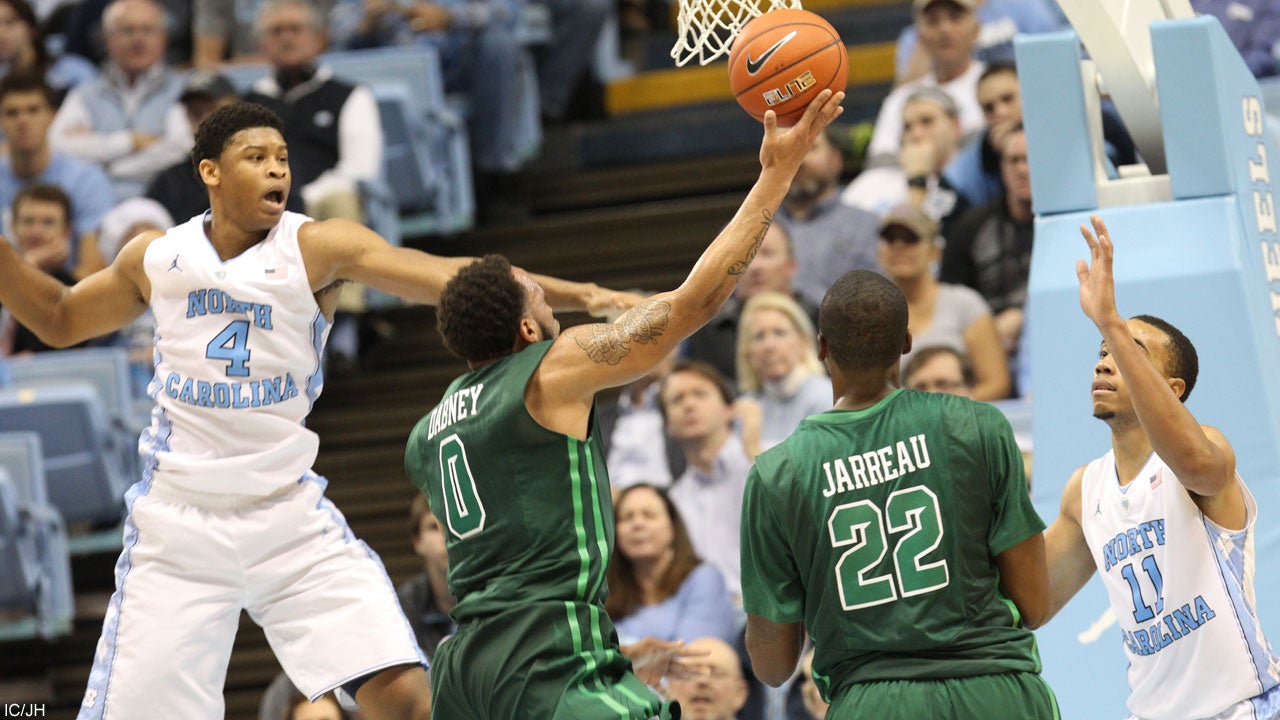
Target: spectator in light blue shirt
(658, 587)
(778, 367)
(26, 113)
(697, 403)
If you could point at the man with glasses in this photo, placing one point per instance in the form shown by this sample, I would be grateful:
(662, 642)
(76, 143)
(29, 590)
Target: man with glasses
(128, 119)
(719, 693)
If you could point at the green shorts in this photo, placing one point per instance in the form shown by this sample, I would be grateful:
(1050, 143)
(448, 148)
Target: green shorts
(543, 660)
(1008, 696)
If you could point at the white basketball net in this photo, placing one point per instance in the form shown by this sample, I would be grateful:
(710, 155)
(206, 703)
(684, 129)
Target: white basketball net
(707, 27)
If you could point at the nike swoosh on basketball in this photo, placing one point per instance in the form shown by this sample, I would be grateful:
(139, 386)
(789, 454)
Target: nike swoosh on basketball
(753, 66)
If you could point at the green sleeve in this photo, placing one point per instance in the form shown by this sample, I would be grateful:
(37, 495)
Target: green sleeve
(1013, 518)
(415, 465)
(771, 586)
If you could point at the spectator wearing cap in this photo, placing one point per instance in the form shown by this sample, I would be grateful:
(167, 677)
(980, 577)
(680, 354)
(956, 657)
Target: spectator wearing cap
(989, 248)
(940, 313)
(931, 135)
(1000, 20)
(948, 33)
(128, 119)
(178, 189)
(26, 112)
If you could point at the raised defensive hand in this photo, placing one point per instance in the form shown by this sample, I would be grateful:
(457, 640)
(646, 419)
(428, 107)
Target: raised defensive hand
(786, 147)
(1097, 284)
(653, 659)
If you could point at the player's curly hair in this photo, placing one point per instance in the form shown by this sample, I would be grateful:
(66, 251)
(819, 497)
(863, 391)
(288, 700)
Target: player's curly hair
(216, 131)
(480, 310)
(1183, 361)
(864, 321)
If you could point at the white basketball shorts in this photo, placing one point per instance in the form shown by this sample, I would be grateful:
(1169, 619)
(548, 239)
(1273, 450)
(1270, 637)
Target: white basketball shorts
(192, 561)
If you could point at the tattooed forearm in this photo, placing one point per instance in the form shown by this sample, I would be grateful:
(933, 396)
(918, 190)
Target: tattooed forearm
(642, 324)
(740, 266)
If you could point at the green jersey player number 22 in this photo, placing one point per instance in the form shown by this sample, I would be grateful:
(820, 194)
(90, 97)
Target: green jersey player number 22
(910, 519)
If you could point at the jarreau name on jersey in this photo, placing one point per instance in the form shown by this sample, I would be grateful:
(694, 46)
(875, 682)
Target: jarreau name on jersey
(248, 394)
(873, 467)
(457, 406)
(1164, 628)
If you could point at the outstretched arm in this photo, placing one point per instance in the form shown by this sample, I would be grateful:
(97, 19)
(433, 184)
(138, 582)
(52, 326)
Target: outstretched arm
(336, 250)
(1201, 457)
(1070, 563)
(62, 316)
(589, 358)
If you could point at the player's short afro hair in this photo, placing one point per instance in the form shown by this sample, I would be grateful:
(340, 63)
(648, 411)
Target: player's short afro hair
(216, 131)
(480, 310)
(864, 321)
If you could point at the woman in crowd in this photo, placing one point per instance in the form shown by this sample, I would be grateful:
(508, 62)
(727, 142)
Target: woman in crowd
(778, 368)
(658, 587)
(941, 313)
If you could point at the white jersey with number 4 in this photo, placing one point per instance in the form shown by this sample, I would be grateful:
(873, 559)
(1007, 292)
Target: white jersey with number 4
(238, 347)
(1182, 591)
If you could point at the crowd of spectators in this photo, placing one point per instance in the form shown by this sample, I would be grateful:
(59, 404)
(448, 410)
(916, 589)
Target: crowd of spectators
(101, 99)
(98, 125)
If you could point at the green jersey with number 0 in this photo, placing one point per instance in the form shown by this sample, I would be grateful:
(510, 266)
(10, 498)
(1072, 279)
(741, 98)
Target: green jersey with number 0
(526, 512)
(879, 528)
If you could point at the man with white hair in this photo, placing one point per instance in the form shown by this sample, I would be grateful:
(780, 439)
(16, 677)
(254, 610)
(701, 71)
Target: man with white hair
(332, 127)
(128, 118)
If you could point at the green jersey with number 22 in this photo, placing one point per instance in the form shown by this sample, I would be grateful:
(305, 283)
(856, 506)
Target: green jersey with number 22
(879, 529)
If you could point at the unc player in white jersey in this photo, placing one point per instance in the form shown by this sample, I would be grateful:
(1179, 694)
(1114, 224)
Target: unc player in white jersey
(1167, 521)
(228, 514)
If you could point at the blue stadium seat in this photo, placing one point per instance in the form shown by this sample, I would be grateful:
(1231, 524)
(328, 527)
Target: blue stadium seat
(406, 147)
(81, 453)
(430, 119)
(36, 595)
(22, 455)
(107, 368)
(19, 565)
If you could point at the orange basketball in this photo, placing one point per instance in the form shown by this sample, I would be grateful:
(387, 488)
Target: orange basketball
(782, 60)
